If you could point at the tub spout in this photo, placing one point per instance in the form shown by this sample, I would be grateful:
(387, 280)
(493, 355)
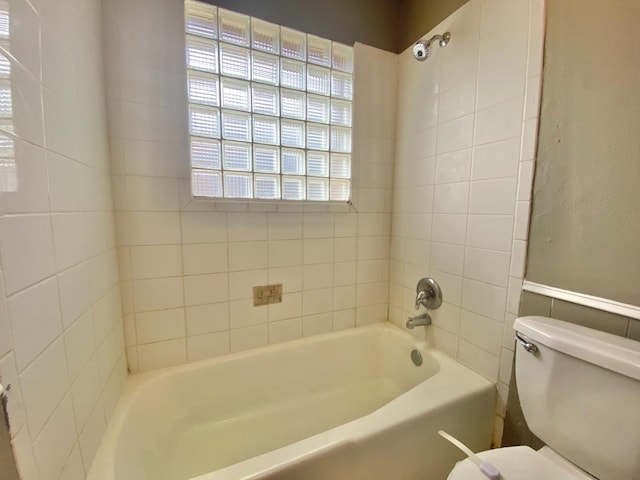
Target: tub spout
(419, 321)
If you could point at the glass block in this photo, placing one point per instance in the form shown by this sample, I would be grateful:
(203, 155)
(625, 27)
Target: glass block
(292, 74)
(236, 126)
(293, 44)
(236, 156)
(238, 185)
(6, 105)
(340, 190)
(204, 122)
(6, 125)
(265, 36)
(319, 80)
(205, 183)
(340, 112)
(234, 27)
(340, 166)
(317, 136)
(5, 22)
(5, 67)
(234, 61)
(7, 149)
(266, 186)
(317, 164)
(341, 139)
(266, 159)
(341, 85)
(317, 189)
(265, 100)
(203, 89)
(266, 130)
(8, 175)
(201, 19)
(205, 153)
(293, 161)
(318, 50)
(264, 68)
(318, 108)
(292, 104)
(293, 188)
(236, 94)
(342, 58)
(202, 54)
(292, 133)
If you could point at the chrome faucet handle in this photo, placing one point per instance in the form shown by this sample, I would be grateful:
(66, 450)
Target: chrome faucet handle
(421, 299)
(428, 294)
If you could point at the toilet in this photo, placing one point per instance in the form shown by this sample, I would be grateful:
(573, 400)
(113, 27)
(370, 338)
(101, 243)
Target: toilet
(580, 394)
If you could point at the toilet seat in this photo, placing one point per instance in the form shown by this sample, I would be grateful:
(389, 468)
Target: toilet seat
(516, 463)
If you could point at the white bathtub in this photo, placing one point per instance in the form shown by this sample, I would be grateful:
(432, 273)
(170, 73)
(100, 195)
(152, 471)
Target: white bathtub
(348, 405)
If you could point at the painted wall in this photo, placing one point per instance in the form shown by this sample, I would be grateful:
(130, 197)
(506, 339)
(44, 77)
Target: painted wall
(372, 22)
(8, 469)
(415, 17)
(188, 268)
(61, 335)
(584, 225)
(467, 119)
(386, 24)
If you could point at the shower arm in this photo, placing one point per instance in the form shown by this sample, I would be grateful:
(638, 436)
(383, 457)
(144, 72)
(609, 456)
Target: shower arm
(442, 39)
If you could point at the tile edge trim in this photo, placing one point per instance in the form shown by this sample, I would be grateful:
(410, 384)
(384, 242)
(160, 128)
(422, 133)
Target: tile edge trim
(591, 301)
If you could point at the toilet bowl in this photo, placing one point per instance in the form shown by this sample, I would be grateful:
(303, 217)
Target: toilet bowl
(579, 390)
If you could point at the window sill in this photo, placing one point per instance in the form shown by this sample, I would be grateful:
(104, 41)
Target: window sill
(259, 205)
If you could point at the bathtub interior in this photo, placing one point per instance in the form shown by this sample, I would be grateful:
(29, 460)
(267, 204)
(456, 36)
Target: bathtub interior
(204, 417)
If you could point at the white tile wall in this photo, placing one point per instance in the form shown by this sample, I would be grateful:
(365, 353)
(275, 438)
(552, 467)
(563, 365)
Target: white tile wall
(454, 204)
(188, 268)
(60, 311)
(474, 105)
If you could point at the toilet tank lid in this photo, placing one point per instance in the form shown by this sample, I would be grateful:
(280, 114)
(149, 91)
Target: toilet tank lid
(619, 354)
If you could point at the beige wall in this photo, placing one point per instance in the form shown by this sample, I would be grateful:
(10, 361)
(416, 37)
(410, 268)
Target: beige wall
(585, 223)
(415, 17)
(8, 469)
(373, 22)
(585, 226)
(392, 25)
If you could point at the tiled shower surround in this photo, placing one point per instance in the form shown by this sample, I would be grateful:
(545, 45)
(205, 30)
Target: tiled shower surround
(188, 267)
(442, 166)
(61, 330)
(467, 122)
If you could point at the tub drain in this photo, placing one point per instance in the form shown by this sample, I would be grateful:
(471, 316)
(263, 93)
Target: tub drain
(416, 357)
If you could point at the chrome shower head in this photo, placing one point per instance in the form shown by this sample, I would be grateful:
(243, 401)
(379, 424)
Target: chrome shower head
(422, 48)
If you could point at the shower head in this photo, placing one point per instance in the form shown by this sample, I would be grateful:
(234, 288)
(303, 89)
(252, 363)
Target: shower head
(422, 48)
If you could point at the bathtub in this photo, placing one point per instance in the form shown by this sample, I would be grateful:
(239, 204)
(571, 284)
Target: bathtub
(347, 405)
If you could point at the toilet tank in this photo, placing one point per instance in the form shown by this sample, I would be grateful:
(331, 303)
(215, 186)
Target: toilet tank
(580, 394)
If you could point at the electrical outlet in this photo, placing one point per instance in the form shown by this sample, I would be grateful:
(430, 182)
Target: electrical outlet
(266, 294)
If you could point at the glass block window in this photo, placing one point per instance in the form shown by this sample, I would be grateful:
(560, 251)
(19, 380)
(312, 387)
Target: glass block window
(8, 170)
(270, 109)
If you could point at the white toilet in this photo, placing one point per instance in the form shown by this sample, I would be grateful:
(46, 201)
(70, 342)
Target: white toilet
(580, 393)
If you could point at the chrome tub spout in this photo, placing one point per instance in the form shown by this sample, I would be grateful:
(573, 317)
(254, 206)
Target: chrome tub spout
(419, 321)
